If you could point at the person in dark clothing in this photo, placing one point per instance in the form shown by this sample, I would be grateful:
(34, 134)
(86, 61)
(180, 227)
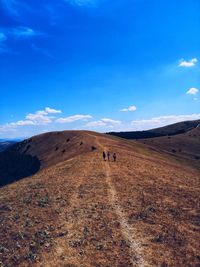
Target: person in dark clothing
(114, 157)
(104, 155)
(108, 155)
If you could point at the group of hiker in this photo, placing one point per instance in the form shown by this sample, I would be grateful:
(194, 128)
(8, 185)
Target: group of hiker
(108, 155)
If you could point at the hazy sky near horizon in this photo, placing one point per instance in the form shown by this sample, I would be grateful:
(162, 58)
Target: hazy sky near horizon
(100, 65)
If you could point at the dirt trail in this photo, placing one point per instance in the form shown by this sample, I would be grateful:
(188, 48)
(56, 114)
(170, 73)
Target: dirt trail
(128, 232)
(95, 222)
(90, 222)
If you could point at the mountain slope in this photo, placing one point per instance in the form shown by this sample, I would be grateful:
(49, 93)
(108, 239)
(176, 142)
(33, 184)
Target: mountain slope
(173, 129)
(186, 145)
(81, 211)
(27, 157)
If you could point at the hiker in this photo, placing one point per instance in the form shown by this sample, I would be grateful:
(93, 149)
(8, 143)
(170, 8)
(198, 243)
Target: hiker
(108, 155)
(104, 156)
(114, 156)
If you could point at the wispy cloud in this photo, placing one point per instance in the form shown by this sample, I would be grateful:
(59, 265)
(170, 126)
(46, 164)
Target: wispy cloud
(14, 8)
(192, 91)
(161, 121)
(10, 6)
(3, 39)
(110, 123)
(81, 3)
(41, 51)
(18, 34)
(24, 32)
(187, 64)
(74, 118)
(130, 108)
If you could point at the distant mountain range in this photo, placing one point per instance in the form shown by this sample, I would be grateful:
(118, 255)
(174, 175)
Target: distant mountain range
(5, 143)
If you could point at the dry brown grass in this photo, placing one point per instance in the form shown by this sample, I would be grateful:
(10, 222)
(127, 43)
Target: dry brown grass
(142, 210)
(185, 146)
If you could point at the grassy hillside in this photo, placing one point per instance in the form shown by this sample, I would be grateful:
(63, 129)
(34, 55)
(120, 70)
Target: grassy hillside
(79, 210)
(186, 145)
(27, 157)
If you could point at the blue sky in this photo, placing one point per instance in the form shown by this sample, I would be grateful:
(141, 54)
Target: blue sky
(100, 65)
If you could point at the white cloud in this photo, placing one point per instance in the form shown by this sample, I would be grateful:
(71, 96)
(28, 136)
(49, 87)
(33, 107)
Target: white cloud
(40, 117)
(73, 118)
(34, 123)
(52, 111)
(41, 112)
(44, 112)
(187, 64)
(6, 128)
(192, 91)
(103, 123)
(21, 123)
(161, 121)
(130, 108)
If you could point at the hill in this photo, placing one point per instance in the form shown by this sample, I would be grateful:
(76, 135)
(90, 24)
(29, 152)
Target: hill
(173, 129)
(27, 157)
(78, 210)
(185, 145)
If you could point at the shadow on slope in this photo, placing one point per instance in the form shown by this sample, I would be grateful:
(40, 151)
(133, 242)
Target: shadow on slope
(15, 166)
(25, 158)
